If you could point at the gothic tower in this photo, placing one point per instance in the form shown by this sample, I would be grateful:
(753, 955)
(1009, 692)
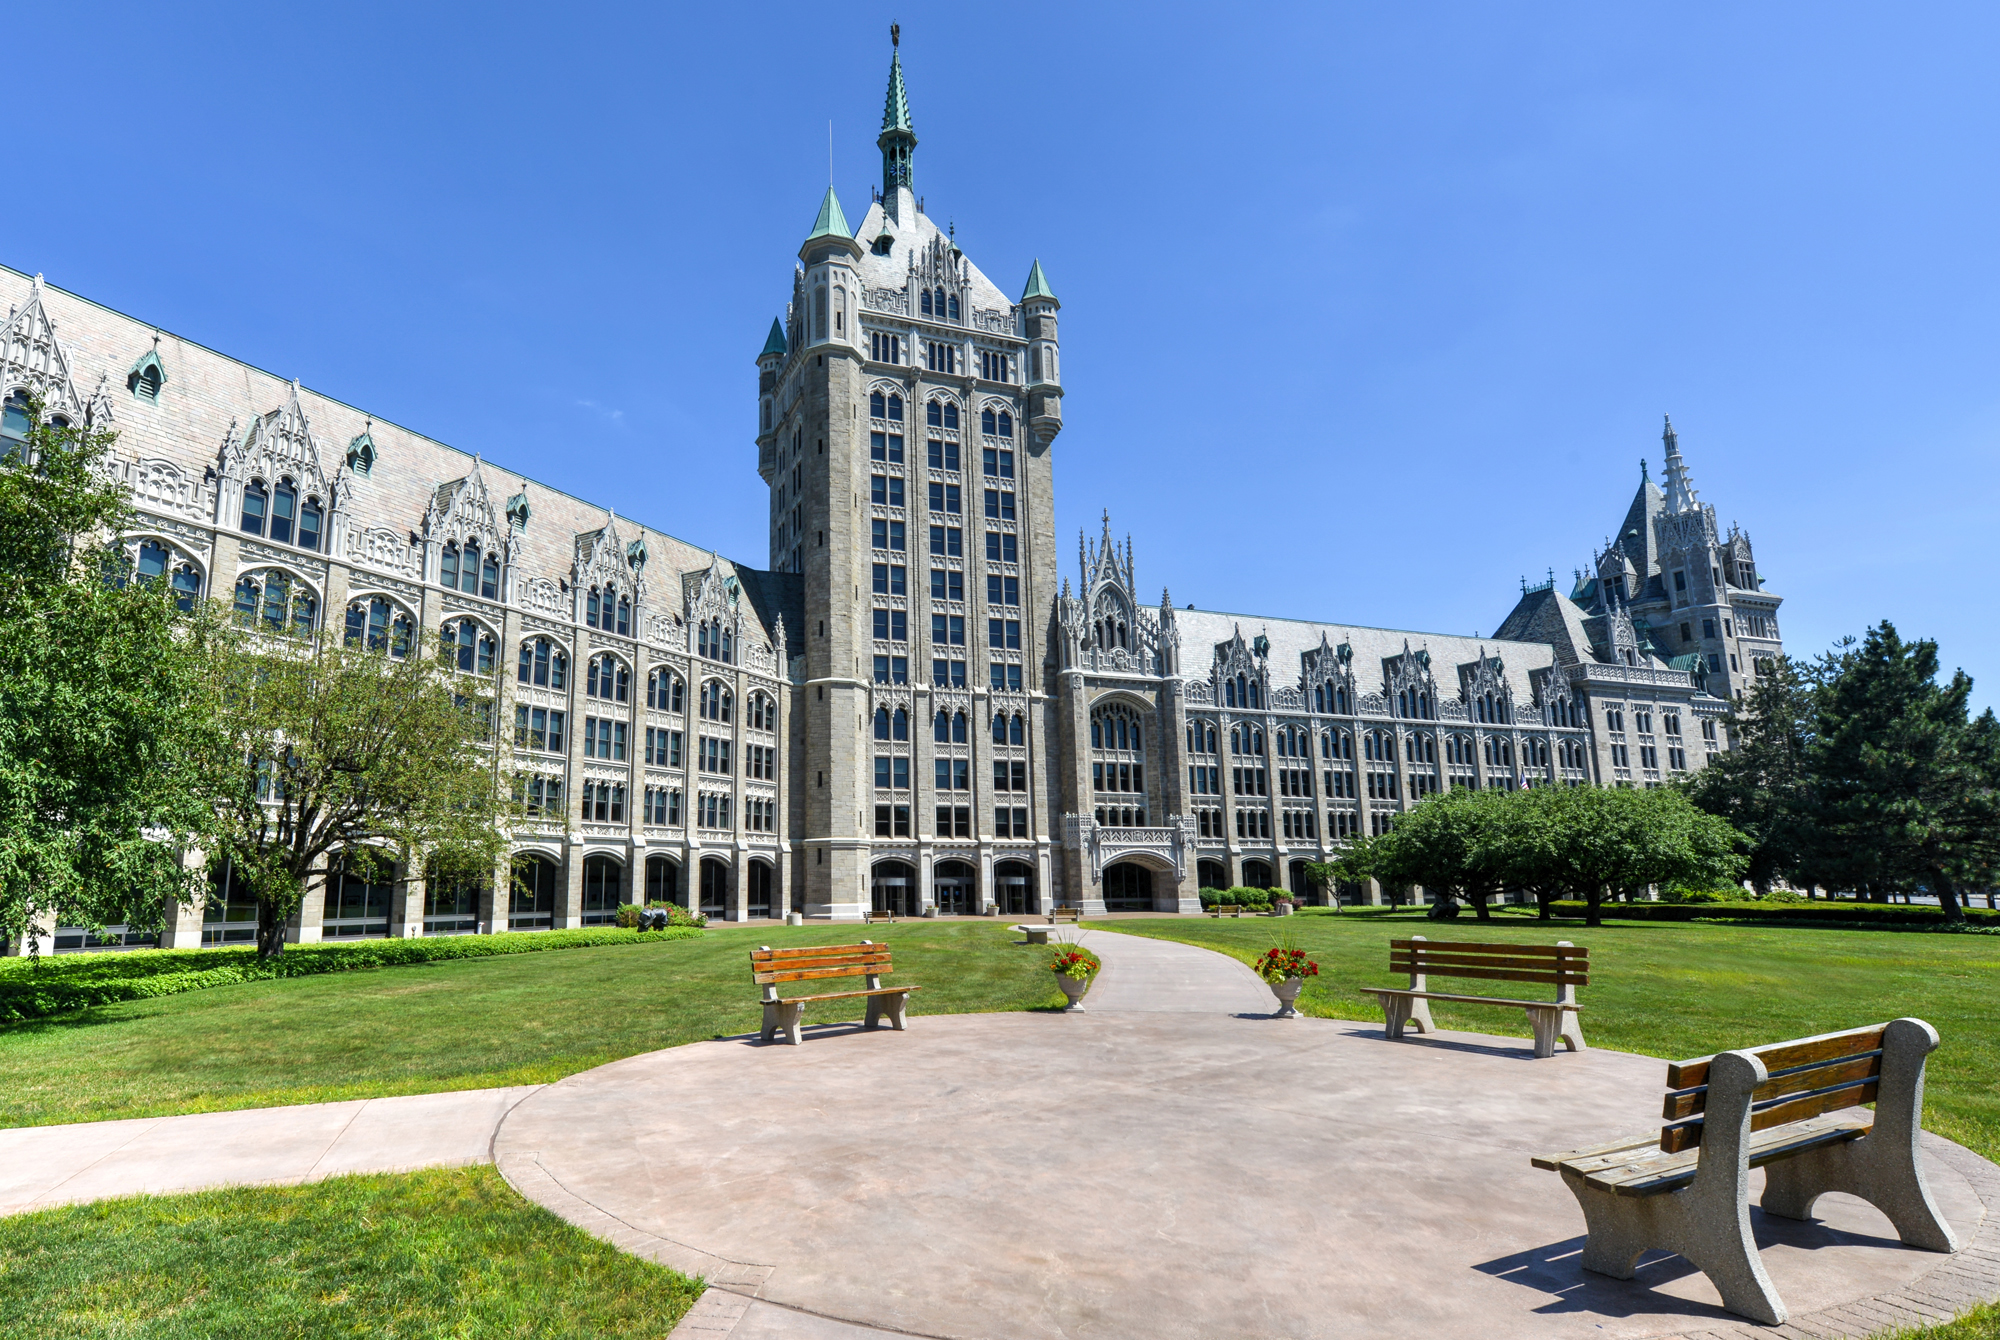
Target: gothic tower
(907, 411)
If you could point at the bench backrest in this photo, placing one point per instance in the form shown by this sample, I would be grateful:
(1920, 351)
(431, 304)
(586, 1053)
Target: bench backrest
(1562, 966)
(770, 966)
(1808, 1076)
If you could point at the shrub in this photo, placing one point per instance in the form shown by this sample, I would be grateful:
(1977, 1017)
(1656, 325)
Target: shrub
(678, 915)
(1806, 913)
(1245, 897)
(1679, 894)
(1210, 897)
(37, 989)
(1782, 896)
(630, 915)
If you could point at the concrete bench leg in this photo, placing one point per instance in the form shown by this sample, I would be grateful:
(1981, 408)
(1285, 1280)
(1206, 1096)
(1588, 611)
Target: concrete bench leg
(1395, 1013)
(1884, 1167)
(790, 1016)
(1572, 1031)
(1708, 1222)
(770, 1020)
(891, 1006)
(1547, 1023)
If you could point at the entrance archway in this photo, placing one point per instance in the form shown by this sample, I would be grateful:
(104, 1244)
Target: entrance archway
(1212, 874)
(1128, 887)
(714, 887)
(895, 888)
(1014, 889)
(531, 903)
(603, 890)
(955, 884)
(663, 881)
(1257, 874)
(759, 902)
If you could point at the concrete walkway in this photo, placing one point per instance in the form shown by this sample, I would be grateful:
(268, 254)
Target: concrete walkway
(42, 1166)
(1175, 1174)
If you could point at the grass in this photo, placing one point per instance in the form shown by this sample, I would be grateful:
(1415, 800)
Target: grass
(444, 1253)
(1680, 989)
(464, 1024)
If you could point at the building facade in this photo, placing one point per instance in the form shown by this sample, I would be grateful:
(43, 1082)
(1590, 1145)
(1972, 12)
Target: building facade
(907, 708)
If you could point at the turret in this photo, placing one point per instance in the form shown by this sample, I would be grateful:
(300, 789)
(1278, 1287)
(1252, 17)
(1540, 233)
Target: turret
(898, 140)
(1038, 315)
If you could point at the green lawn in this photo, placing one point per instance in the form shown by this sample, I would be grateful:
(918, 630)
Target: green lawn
(446, 1253)
(520, 1019)
(1680, 989)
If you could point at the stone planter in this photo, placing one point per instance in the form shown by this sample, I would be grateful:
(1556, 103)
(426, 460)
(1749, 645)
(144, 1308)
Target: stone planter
(1287, 991)
(1074, 989)
(1281, 910)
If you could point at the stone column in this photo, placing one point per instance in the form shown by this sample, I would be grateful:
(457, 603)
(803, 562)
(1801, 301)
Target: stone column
(569, 906)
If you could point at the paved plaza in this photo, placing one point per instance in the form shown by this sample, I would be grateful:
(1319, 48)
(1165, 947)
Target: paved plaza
(1170, 1163)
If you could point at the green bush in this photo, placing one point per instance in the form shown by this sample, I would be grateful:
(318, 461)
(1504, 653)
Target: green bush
(678, 915)
(1782, 897)
(1802, 913)
(1676, 894)
(37, 989)
(630, 915)
(1247, 897)
(1210, 897)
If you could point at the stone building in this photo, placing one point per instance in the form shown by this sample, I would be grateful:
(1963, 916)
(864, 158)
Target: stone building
(906, 707)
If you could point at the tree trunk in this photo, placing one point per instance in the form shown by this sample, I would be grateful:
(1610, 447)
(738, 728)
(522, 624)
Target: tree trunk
(1478, 898)
(270, 930)
(1544, 904)
(1593, 900)
(1947, 895)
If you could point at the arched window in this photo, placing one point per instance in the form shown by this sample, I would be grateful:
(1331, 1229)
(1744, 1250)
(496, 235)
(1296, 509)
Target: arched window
(284, 511)
(448, 568)
(952, 304)
(987, 424)
(256, 501)
(187, 588)
(468, 577)
(380, 626)
(715, 701)
(901, 725)
(881, 723)
(14, 426)
(934, 414)
(958, 728)
(469, 647)
(625, 619)
(728, 652)
(489, 577)
(152, 560)
(1006, 425)
(895, 409)
(875, 405)
(608, 677)
(664, 691)
(999, 728)
(591, 604)
(310, 517)
(941, 727)
(924, 303)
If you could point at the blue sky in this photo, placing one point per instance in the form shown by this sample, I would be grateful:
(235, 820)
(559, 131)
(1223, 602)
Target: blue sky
(1368, 310)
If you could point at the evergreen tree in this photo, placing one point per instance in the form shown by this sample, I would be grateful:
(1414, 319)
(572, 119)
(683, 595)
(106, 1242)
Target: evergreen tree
(1907, 779)
(1762, 784)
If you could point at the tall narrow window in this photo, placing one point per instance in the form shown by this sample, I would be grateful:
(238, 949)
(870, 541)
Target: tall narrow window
(448, 568)
(284, 509)
(309, 524)
(489, 577)
(255, 503)
(468, 577)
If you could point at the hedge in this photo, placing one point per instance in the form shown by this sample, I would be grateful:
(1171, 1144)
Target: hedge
(38, 989)
(1900, 915)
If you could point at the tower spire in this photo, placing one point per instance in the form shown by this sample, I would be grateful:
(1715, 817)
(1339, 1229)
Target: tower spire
(898, 141)
(1680, 485)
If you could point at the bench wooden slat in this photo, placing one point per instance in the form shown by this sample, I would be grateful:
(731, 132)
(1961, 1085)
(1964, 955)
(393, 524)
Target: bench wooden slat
(843, 995)
(810, 951)
(1440, 963)
(1785, 1055)
(1531, 970)
(1494, 974)
(1673, 1139)
(1692, 1102)
(817, 961)
(1472, 1000)
(820, 974)
(1462, 947)
(1655, 1173)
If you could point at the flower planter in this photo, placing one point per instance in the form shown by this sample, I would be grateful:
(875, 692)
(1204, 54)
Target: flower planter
(1073, 987)
(1287, 991)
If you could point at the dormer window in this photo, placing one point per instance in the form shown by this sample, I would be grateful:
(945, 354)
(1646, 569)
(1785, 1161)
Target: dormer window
(883, 245)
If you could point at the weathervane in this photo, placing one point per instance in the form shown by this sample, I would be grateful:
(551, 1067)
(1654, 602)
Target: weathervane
(895, 34)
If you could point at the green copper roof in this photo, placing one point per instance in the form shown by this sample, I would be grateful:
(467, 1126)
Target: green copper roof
(831, 222)
(896, 111)
(776, 343)
(1038, 285)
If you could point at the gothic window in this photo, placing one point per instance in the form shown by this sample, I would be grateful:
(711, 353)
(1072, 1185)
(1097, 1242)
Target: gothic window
(881, 723)
(145, 383)
(380, 626)
(941, 728)
(256, 501)
(715, 701)
(271, 599)
(625, 618)
(448, 568)
(14, 426)
(543, 664)
(924, 303)
(607, 677)
(937, 304)
(468, 577)
(763, 712)
(469, 647)
(310, 517)
(1420, 749)
(987, 424)
(284, 511)
(592, 604)
(152, 560)
(187, 587)
(895, 409)
(876, 408)
(664, 691)
(952, 304)
(899, 725)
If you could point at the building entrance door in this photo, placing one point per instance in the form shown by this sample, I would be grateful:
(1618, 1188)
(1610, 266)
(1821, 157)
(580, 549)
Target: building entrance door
(953, 884)
(1014, 889)
(1128, 887)
(895, 889)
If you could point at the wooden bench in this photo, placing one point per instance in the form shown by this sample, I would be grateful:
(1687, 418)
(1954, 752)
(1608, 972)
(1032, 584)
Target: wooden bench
(769, 966)
(871, 917)
(1787, 1108)
(1232, 909)
(1561, 965)
(1065, 914)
